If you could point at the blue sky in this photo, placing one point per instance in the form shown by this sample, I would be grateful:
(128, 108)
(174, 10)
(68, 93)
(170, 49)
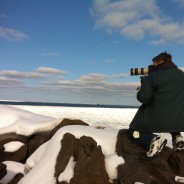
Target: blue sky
(81, 51)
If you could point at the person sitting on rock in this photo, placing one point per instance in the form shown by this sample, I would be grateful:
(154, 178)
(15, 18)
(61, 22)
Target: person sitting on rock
(162, 110)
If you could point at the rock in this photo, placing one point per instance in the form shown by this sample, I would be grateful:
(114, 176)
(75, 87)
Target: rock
(36, 140)
(3, 171)
(8, 137)
(31, 143)
(176, 162)
(69, 144)
(19, 155)
(39, 138)
(90, 165)
(67, 122)
(14, 172)
(89, 160)
(161, 169)
(16, 178)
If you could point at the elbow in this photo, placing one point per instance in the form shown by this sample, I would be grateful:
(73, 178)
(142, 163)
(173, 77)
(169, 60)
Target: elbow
(143, 99)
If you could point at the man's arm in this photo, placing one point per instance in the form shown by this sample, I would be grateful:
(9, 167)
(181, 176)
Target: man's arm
(145, 93)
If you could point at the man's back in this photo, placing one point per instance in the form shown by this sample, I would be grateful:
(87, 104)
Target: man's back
(169, 87)
(163, 110)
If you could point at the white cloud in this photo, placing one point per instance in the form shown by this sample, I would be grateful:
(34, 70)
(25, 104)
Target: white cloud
(17, 74)
(92, 79)
(12, 34)
(51, 54)
(10, 82)
(62, 82)
(122, 75)
(93, 85)
(50, 70)
(12, 73)
(136, 18)
(181, 68)
(35, 75)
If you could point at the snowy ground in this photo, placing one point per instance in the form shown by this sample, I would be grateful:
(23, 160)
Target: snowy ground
(118, 118)
(29, 119)
(111, 117)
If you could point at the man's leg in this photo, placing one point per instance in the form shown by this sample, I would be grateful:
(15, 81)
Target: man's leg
(151, 142)
(178, 141)
(144, 139)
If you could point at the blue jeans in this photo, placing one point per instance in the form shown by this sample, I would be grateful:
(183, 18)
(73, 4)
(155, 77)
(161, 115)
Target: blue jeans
(145, 138)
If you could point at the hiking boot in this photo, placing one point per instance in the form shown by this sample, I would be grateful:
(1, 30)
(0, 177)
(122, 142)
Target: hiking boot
(178, 143)
(156, 146)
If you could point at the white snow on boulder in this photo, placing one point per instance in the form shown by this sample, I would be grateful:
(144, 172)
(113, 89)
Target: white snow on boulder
(13, 146)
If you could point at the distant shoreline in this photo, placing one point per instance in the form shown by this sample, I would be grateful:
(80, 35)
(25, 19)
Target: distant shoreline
(65, 104)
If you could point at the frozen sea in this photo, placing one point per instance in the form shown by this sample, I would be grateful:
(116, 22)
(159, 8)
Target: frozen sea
(109, 117)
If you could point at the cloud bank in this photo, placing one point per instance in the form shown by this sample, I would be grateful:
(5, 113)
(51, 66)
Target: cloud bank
(137, 18)
(92, 85)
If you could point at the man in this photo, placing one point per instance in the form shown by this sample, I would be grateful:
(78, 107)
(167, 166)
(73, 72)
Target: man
(162, 110)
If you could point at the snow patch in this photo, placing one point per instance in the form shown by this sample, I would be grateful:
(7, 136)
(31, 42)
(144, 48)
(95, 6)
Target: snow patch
(13, 146)
(68, 173)
(179, 179)
(111, 163)
(13, 168)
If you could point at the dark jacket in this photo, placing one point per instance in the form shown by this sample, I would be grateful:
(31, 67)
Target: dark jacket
(162, 98)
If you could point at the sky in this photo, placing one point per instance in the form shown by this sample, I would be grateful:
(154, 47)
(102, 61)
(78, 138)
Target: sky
(81, 51)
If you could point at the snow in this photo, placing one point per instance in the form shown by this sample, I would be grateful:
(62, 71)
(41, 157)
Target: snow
(39, 167)
(35, 157)
(12, 169)
(26, 120)
(179, 179)
(13, 146)
(111, 163)
(68, 173)
(118, 118)
(110, 117)
(101, 136)
(23, 122)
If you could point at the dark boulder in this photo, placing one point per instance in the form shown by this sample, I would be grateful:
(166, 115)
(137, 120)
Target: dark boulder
(31, 143)
(19, 155)
(90, 165)
(36, 140)
(16, 178)
(89, 160)
(3, 171)
(66, 122)
(39, 138)
(69, 143)
(161, 169)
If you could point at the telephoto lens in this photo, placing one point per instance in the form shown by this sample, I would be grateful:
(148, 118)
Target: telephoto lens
(141, 71)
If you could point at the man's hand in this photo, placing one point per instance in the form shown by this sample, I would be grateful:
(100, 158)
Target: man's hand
(143, 78)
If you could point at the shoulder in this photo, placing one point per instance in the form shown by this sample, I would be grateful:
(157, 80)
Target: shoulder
(168, 71)
(180, 70)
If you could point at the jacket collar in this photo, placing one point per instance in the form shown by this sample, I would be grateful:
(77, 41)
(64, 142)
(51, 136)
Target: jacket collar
(164, 65)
